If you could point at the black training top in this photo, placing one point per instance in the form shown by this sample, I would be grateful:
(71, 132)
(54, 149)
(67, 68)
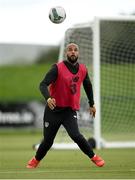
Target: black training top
(52, 74)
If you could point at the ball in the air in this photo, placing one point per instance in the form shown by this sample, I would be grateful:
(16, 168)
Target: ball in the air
(57, 14)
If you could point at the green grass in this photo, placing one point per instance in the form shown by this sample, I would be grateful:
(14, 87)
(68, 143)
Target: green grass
(21, 82)
(16, 150)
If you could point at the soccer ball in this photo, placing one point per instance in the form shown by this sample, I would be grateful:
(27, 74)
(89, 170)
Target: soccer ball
(57, 14)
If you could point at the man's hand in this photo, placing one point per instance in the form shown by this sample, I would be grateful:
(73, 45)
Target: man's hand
(51, 103)
(92, 111)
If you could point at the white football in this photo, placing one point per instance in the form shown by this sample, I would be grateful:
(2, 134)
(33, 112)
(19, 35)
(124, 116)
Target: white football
(57, 14)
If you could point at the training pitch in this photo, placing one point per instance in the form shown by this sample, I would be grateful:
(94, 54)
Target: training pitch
(16, 150)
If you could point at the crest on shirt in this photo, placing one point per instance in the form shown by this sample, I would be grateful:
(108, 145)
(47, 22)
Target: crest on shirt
(46, 124)
(75, 79)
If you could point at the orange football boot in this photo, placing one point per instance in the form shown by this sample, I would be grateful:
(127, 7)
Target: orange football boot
(33, 163)
(98, 161)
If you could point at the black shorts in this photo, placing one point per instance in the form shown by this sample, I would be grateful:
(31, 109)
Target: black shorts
(54, 119)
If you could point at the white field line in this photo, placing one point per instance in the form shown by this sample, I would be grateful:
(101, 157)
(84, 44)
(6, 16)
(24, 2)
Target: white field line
(59, 171)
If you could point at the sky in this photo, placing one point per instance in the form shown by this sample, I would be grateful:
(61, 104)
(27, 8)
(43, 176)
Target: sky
(27, 22)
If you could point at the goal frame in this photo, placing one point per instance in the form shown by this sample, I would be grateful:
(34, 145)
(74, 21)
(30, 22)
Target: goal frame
(100, 141)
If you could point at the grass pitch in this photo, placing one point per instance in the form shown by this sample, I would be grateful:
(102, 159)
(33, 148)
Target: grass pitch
(16, 150)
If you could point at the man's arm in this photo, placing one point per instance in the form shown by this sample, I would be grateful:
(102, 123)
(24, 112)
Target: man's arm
(50, 77)
(89, 92)
(88, 89)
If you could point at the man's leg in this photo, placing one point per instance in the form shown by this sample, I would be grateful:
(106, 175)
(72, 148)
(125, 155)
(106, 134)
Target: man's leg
(51, 126)
(71, 125)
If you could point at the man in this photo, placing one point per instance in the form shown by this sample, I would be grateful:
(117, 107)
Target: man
(63, 100)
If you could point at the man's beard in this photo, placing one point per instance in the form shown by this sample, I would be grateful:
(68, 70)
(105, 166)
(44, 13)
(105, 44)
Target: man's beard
(72, 59)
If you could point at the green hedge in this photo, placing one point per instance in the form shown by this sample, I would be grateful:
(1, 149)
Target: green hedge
(21, 82)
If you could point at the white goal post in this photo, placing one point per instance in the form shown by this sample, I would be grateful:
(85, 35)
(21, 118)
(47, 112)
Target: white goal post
(107, 47)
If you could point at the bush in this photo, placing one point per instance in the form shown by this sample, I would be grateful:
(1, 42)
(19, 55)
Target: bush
(49, 57)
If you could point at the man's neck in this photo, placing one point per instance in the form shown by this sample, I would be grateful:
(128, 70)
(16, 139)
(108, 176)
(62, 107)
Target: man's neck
(73, 64)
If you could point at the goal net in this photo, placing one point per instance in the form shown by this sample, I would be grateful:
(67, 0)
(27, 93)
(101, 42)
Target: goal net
(107, 47)
(114, 76)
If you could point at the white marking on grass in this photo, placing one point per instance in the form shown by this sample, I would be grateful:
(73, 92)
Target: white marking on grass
(59, 171)
(132, 169)
(45, 171)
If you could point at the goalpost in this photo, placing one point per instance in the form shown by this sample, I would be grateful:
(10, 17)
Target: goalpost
(107, 47)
